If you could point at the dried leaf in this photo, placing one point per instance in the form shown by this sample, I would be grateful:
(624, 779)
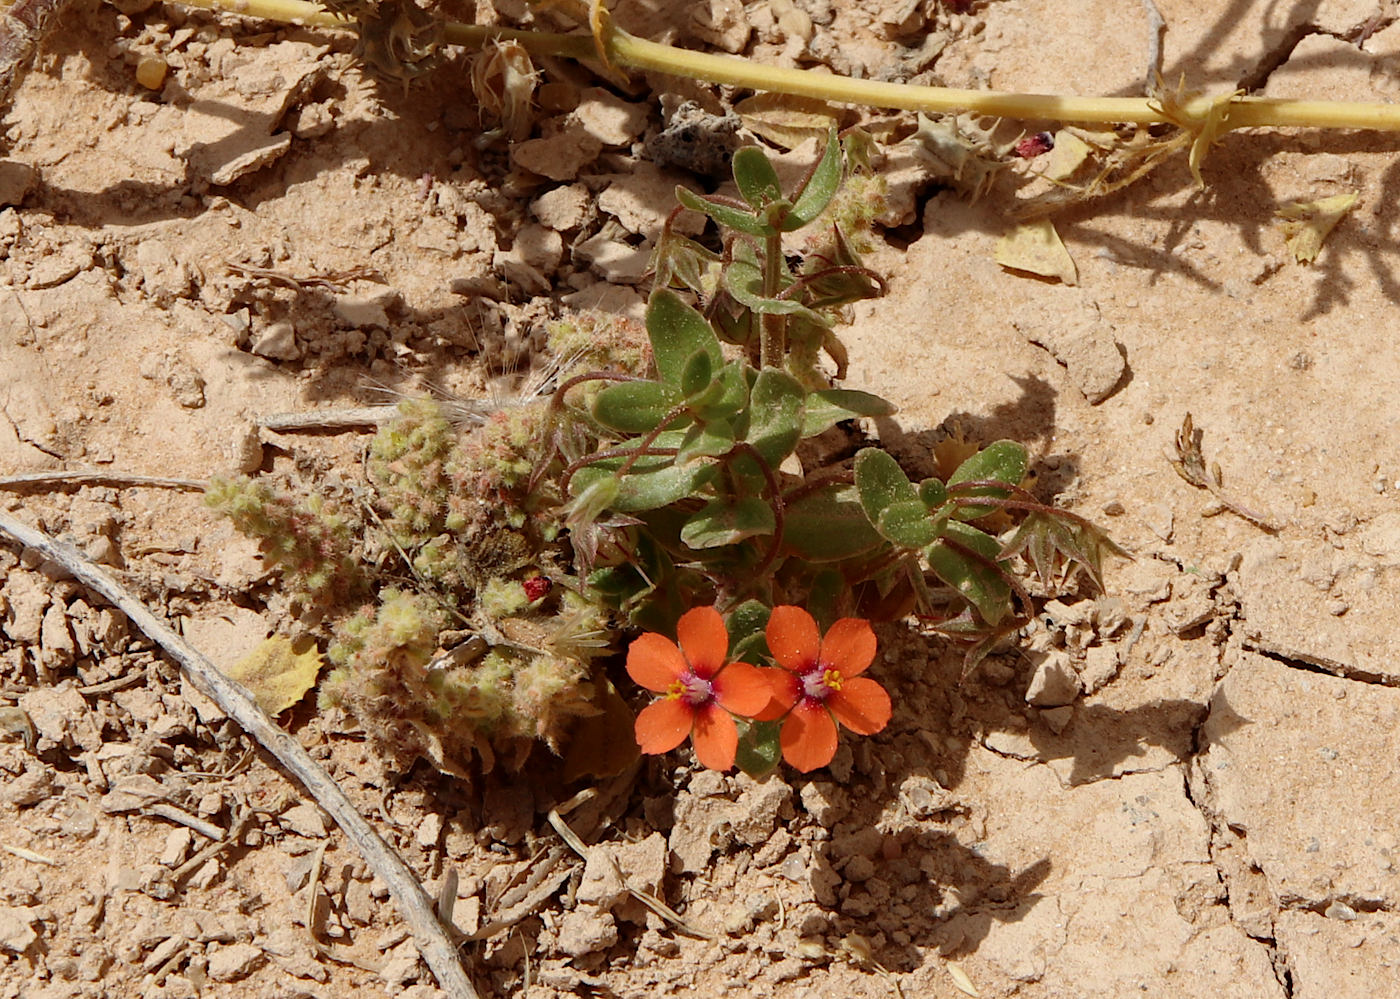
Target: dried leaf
(960, 979)
(1035, 247)
(1069, 155)
(276, 674)
(786, 120)
(503, 79)
(1307, 223)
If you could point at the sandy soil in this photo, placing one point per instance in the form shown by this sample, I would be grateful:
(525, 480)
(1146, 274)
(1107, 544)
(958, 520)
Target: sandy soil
(1206, 812)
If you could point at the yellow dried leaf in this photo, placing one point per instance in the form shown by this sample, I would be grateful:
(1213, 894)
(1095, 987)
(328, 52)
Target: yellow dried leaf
(1069, 155)
(786, 120)
(1035, 247)
(1307, 223)
(276, 674)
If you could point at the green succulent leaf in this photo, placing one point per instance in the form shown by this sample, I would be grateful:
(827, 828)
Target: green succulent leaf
(1004, 461)
(881, 482)
(828, 407)
(819, 190)
(977, 579)
(724, 215)
(828, 525)
(677, 332)
(722, 523)
(907, 523)
(755, 177)
(775, 415)
(635, 407)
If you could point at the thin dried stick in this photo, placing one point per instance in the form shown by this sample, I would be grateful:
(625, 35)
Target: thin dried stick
(168, 811)
(433, 942)
(96, 477)
(650, 901)
(225, 840)
(330, 419)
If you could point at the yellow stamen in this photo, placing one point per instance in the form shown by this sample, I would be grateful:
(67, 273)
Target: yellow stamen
(676, 691)
(832, 678)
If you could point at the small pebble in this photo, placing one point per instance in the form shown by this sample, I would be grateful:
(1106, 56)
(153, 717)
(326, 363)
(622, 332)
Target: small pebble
(150, 72)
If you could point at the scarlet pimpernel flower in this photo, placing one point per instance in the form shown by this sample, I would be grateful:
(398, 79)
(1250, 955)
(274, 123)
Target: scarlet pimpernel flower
(702, 691)
(821, 684)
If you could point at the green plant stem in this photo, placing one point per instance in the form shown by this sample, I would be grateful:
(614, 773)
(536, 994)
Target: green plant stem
(626, 50)
(773, 328)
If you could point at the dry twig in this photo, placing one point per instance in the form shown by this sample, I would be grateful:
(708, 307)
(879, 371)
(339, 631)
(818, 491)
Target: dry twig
(1190, 464)
(583, 850)
(433, 942)
(97, 477)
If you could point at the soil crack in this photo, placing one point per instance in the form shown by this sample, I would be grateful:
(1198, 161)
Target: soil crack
(1294, 659)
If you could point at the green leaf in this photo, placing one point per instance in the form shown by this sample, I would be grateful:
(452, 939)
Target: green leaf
(984, 586)
(724, 215)
(819, 190)
(1051, 540)
(828, 407)
(681, 259)
(593, 495)
(677, 331)
(907, 523)
(646, 486)
(759, 749)
(932, 493)
(744, 280)
(635, 407)
(722, 523)
(746, 638)
(755, 177)
(697, 375)
(881, 482)
(728, 394)
(825, 597)
(706, 440)
(1004, 461)
(828, 525)
(775, 415)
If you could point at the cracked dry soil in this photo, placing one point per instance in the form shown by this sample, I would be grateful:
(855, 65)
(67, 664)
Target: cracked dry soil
(1185, 788)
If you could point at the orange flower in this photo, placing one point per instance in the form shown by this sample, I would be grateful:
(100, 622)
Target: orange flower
(821, 684)
(701, 689)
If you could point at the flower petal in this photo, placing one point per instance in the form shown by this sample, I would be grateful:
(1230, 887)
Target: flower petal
(808, 737)
(663, 725)
(704, 640)
(849, 646)
(743, 689)
(716, 738)
(654, 661)
(862, 705)
(786, 689)
(793, 638)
